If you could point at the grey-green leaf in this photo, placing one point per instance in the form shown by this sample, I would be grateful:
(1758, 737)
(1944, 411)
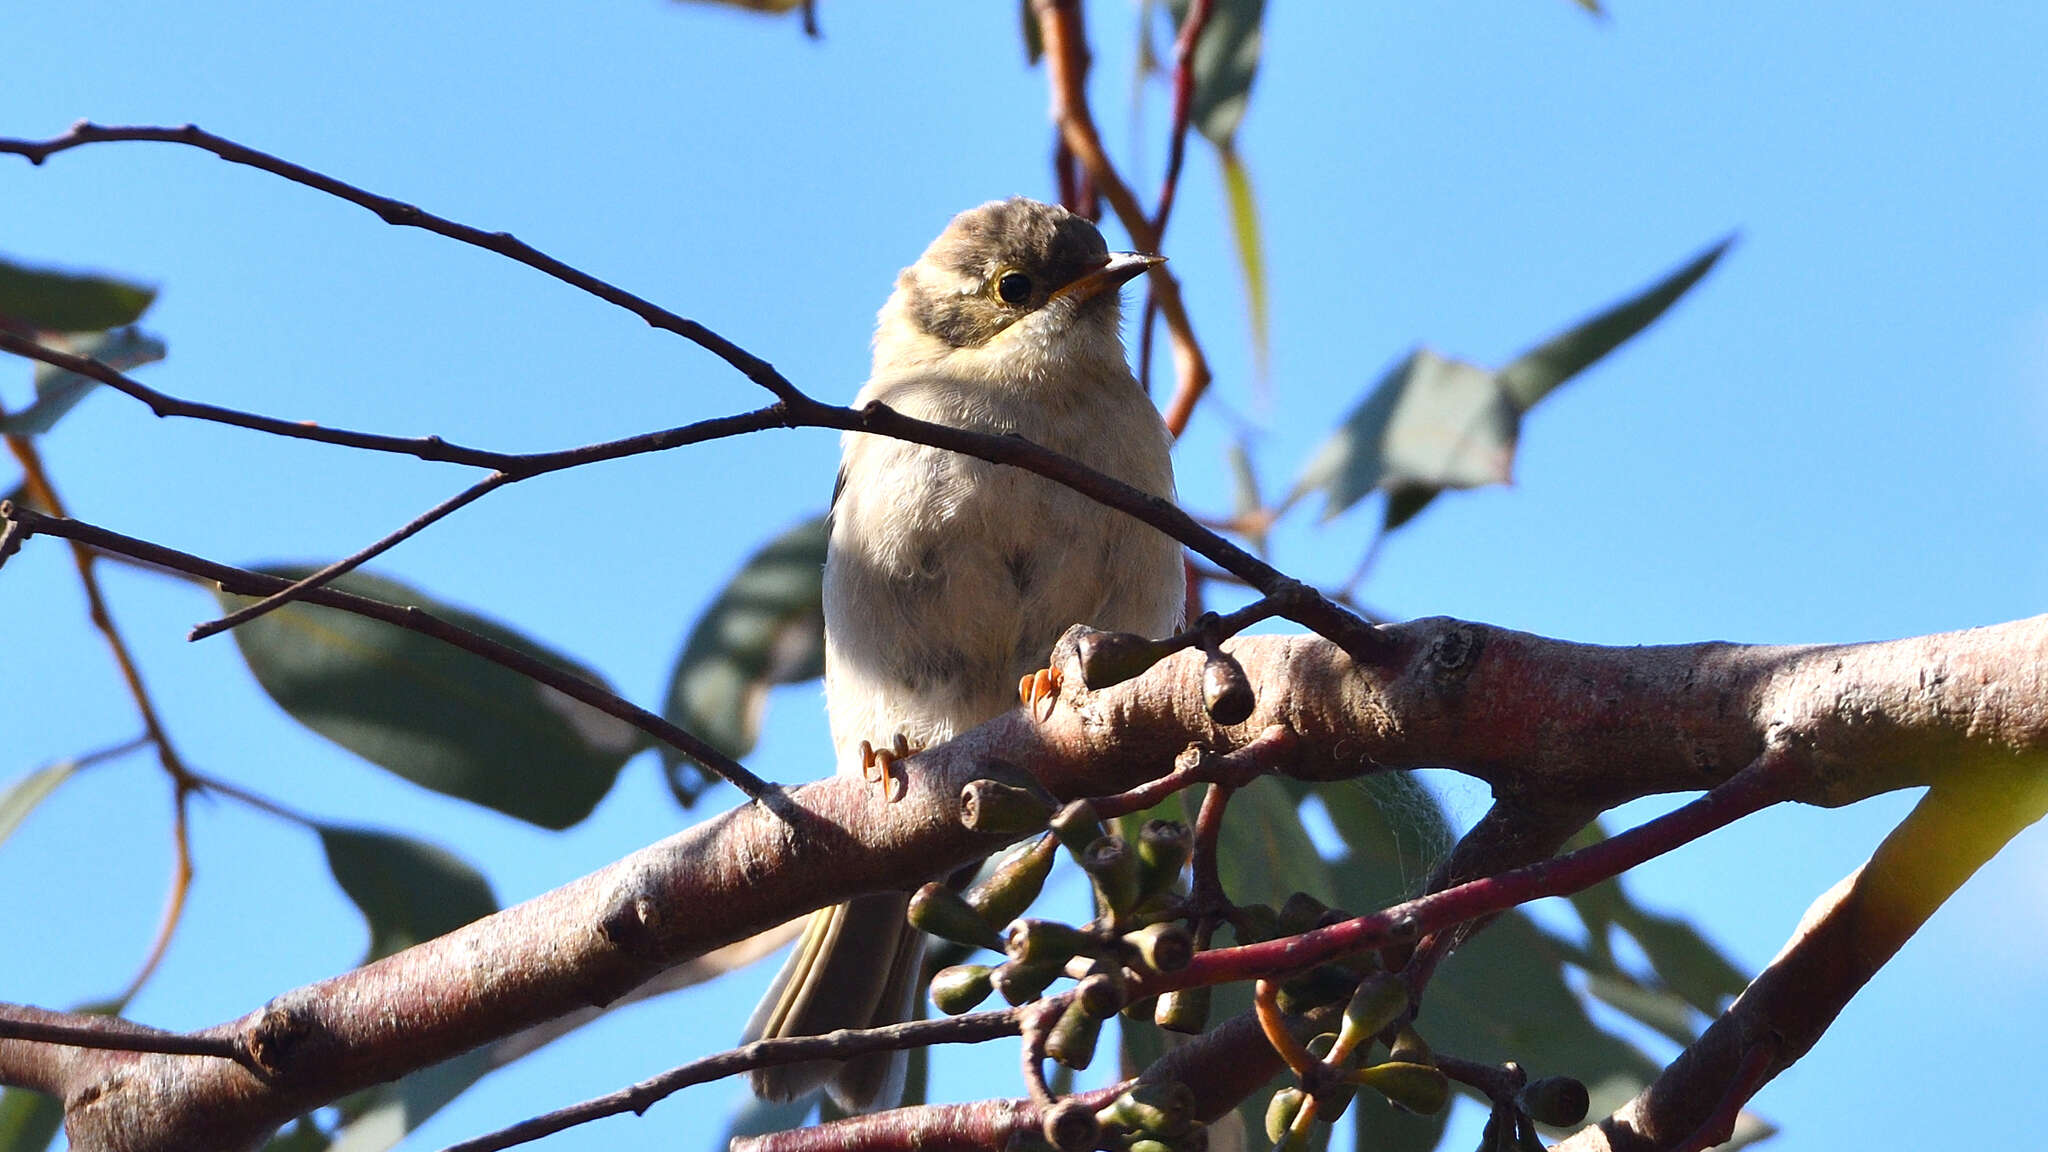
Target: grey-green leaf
(24, 794)
(58, 390)
(408, 891)
(766, 627)
(432, 713)
(1535, 373)
(1225, 63)
(28, 1120)
(46, 300)
(1430, 422)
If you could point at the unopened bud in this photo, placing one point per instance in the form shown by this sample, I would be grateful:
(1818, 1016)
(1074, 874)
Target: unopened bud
(1157, 1108)
(1015, 883)
(1113, 867)
(1286, 1104)
(1001, 809)
(959, 988)
(1109, 658)
(1070, 1126)
(940, 911)
(1078, 826)
(1418, 1088)
(1164, 947)
(1020, 984)
(1379, 1001)
(1072, 1040)
(1558, 1101)
(1226, 690)
(1185, 1011)
(1163, 850)
(1046, 942)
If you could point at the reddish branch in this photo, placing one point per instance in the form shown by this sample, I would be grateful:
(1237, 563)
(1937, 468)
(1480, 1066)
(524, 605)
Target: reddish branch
(1066, 61)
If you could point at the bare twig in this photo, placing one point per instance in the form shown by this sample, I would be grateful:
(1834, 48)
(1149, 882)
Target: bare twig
(638, 1098)
(75, 1030)
(243, 582)
(355, 560)
(44, 490)
(799, 410)
(401, 214)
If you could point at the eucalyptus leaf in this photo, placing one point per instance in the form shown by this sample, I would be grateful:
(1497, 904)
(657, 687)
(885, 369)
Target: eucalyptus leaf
(1251, 259)
(438, 716)
(1503, 996)
(1430, 422)
(24, 794)
(46, 300)
(1536, 373)
(28, 1120)
(1225, 62)
(766, 627)
(408, 891)
(301, 1136)
(58, 390)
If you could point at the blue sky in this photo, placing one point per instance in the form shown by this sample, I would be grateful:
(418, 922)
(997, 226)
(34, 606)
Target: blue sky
(1839, 436)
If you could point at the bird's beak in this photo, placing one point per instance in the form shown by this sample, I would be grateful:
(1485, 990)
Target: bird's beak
(1116, 269)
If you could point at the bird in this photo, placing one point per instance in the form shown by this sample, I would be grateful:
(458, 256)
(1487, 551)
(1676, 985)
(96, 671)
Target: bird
(948, 579)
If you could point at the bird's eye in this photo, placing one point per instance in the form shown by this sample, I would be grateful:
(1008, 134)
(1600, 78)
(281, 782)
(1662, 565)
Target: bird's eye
(1013, 287)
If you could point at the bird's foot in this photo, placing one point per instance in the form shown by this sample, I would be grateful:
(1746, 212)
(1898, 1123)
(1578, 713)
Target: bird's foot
(878, 767)
(1039, 688)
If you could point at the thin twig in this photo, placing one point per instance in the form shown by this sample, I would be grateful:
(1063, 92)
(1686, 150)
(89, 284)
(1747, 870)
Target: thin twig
(246, 583)
(40, 486)
(180, 889)
(349, 563)
(400, 214)
(970, 1029)
(1303, 606)
(115, 1034)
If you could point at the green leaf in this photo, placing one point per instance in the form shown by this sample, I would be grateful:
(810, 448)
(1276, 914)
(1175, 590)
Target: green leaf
(1684, 961)
(1395, 833)
(302, 1136)
(1034, 40)
(1226, 61)
(1665, 1012)
(28, 1120)
(46, 300)
(1429, 422)
(432, 713)
(1503, 996)
(58, 390)
(767, 627)
(24, 794)
(1433, 423)
(1251, 259)
(408, 891)
(1537, 372)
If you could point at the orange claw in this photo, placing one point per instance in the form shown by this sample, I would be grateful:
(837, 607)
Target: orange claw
(878, 766)
(1040, 687)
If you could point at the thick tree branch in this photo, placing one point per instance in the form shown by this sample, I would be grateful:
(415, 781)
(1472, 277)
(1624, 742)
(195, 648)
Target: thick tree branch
(1528, 714)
